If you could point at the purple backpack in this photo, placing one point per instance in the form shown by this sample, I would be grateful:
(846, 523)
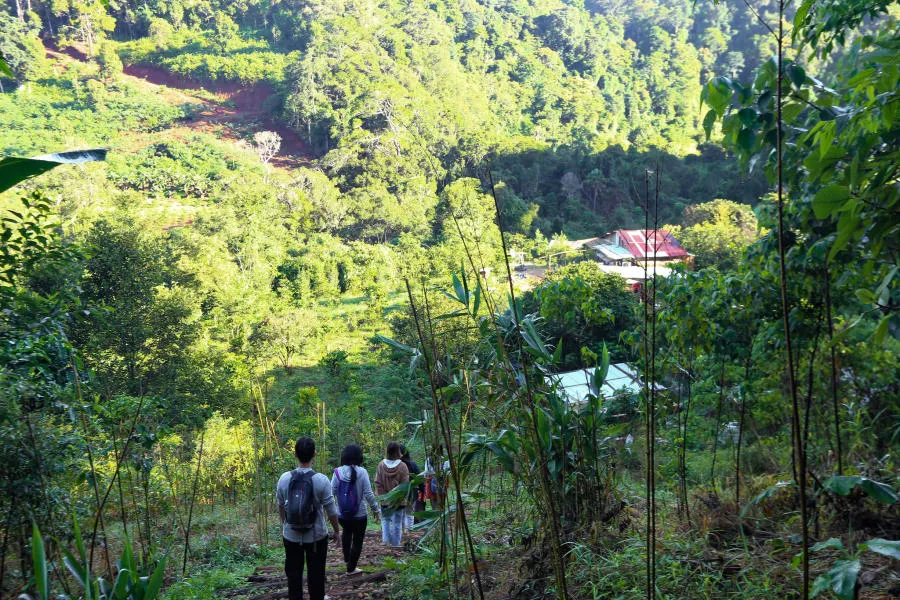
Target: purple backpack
(348, 501)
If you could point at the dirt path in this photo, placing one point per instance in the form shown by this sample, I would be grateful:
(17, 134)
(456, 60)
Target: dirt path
(230, 110)
(269, 583)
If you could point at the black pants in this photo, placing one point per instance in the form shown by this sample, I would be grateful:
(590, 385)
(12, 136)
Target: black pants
(353, 532)
(314, 555)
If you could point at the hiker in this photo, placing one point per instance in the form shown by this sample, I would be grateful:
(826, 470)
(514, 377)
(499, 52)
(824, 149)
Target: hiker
(415, 500)
(350, 485)
(391, 472)
(304, 497)
(436, 483)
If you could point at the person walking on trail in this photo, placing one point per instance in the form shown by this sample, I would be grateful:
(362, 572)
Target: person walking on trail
(416, 494)
(350, 485)
(304, 498)
(436, 483)
(391, 472)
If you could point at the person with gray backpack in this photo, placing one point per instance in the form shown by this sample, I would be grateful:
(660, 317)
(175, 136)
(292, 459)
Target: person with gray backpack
(304, 497)
(351, 485)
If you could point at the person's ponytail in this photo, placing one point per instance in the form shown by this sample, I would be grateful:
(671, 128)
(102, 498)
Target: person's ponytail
(352, 456)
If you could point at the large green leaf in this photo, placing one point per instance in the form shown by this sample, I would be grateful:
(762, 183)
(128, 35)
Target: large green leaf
(879, 491)
(39, 560)
(708, 121)
(14, 169)
(154, 585)
(889, 548)
(829, 199)
(5, 70)
(797, 75)
(840, 578)
(832, 543)
(842, 485)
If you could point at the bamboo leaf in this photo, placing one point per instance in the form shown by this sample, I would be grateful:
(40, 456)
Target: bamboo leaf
(767, 493)
(154, 585)
(15, 169)
(4, 69)
(39, 562)
(458, 287)
(395, 344)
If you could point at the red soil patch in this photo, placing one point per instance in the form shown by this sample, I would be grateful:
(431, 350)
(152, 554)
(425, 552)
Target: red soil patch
(248, 111)
(237, 112)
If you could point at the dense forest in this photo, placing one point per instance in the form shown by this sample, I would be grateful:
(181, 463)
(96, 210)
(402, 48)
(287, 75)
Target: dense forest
(354, 221)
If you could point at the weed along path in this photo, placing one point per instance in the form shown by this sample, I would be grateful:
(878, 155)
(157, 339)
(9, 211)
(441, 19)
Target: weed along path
(269, 583)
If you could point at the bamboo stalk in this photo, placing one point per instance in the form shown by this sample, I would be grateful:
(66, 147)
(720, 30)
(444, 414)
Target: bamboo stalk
(799, 450)
(187, 532)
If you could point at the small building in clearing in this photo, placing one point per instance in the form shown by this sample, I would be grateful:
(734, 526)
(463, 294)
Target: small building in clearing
(639, 246)
(621, 379)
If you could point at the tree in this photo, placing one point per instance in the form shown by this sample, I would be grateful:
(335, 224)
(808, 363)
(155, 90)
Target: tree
(267, 145)
(839, 157)
(21, 48)
(581, 306)
(39, 294)
(161, 32)
(284, 335)
(109, 61)
(226, 30)
(89, 18)
(145, 313)
(716, 232)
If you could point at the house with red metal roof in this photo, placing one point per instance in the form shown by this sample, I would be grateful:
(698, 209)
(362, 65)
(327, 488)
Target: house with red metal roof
(637, 246)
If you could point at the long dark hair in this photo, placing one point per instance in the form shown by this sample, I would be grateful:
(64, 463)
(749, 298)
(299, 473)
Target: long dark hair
(405, 458)
(393, 451)
(352, 456)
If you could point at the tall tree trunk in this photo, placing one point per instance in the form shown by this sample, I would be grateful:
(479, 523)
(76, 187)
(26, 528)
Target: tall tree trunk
(834, 373)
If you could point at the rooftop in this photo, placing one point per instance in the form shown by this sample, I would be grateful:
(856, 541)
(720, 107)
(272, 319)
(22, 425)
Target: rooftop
(621, 378)
(657, 243)
(634, 273)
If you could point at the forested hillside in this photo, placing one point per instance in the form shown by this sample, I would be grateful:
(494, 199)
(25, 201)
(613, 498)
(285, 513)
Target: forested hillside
(306, 223)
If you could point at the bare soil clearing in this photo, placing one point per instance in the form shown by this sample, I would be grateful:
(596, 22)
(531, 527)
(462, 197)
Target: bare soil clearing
(230, 110)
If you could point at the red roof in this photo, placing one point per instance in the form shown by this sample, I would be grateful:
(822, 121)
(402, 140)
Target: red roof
(657, 242)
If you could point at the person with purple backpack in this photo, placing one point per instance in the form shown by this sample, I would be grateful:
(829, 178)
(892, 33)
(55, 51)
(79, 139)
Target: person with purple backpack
(350, 485)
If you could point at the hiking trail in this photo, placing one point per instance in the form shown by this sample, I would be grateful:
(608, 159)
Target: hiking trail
(269, 583)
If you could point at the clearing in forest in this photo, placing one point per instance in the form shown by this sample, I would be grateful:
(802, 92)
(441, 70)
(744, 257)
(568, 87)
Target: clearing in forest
(232, 111)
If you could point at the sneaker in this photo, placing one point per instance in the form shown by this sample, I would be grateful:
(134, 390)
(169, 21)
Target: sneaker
(355, 572)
